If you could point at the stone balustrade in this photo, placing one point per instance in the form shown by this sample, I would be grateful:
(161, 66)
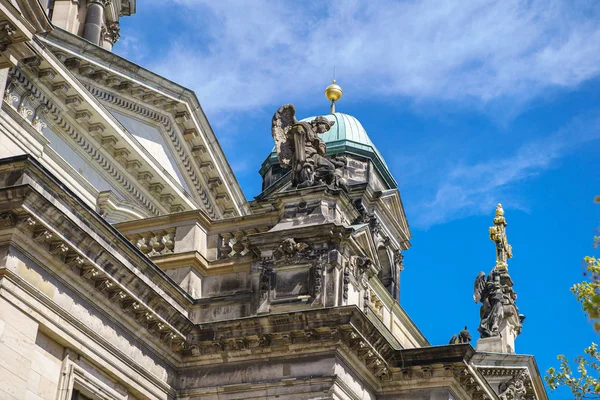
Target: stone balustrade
(235, 244)
(155, 243)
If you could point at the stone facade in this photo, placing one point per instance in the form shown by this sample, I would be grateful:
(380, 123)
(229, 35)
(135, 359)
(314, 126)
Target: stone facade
(132, 267)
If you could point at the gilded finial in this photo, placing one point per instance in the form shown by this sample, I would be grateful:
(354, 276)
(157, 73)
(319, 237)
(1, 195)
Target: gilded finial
(499, 210)
(333, 93)
(498, 235)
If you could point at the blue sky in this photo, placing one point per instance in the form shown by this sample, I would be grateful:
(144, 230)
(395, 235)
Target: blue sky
(470, 102)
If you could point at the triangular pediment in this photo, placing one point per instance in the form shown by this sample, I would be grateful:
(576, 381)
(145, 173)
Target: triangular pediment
(158, 141)
(152, 139)
(364, 239)
(392, 203)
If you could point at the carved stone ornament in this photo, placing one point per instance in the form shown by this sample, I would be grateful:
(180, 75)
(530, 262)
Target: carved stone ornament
(318, 269)
(6, 33)
(300, 148)
(346, 286)
(289, 250)
(111, 32)
(6, 220)
(463, 336)
(514, 388)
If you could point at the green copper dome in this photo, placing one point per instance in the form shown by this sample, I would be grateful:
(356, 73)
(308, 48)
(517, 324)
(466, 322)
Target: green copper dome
(347, 135)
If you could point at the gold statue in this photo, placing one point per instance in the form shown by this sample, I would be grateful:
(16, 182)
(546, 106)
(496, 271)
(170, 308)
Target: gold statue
(498, 235)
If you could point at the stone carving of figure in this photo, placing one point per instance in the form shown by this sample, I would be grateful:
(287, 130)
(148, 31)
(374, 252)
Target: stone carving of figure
(514, 388)
(289, 249)
(299, 146)
(463, 336)
(489, 293)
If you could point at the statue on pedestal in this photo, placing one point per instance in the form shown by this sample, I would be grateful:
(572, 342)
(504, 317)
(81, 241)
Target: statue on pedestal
(299, 147)
(489, 293)
(500, 321)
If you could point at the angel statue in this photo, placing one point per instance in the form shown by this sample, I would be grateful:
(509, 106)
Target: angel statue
(299, 146)
(489, 293)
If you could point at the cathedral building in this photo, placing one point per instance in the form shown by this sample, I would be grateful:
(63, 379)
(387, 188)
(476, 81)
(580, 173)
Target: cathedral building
(132, 266)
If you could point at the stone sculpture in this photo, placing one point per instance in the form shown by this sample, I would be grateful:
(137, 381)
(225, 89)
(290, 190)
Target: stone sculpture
(290, 250)
(300, 148)
(463, 336)
(489, 293)
(515, 388)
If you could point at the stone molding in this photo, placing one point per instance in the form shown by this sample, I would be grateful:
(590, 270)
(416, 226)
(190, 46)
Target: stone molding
(115, 93)
(107, 142)
(165, 123)
(515, 382)
(75, 259)
(23, 207)
(276, 333)
(178, 101)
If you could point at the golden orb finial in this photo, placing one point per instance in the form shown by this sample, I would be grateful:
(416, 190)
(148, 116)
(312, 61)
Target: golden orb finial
(333, 93)
(499, 210)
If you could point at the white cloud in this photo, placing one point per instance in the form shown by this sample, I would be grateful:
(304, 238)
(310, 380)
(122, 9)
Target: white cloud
(262, 53)
(474, 189)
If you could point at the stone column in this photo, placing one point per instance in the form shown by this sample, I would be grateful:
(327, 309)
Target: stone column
(94, 20)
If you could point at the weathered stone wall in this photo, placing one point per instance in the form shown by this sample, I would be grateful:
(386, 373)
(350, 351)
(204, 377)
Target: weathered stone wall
(296, 378)
(41, 316)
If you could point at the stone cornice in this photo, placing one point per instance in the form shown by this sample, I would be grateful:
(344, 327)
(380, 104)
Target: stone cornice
(146, 290)
(275, 334)
(502, 367)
